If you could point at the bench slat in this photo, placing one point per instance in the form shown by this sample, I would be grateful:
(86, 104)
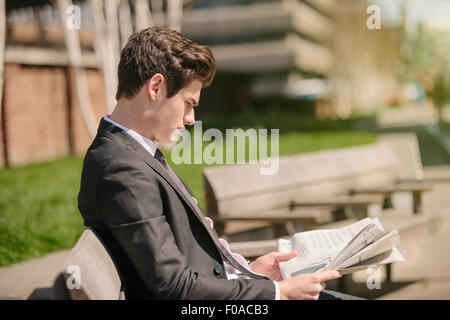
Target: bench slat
(401, 187)
(339, 201)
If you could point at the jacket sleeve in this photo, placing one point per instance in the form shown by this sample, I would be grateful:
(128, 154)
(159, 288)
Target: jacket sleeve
(130, 205)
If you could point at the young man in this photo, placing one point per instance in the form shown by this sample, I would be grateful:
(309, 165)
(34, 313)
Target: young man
(164, 246)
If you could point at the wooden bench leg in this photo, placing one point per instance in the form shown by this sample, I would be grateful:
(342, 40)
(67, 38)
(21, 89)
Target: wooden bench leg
(341, 284)
(417, 199)
(387, 201)
(389, 273)
(339, 214)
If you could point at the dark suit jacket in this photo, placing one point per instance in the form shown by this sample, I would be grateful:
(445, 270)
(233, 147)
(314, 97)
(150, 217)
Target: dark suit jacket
(161, 247)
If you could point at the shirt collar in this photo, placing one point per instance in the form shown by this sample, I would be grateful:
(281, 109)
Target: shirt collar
(145, 142)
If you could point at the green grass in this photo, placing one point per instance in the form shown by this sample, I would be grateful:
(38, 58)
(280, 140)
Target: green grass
(38, 206)
(38, 210)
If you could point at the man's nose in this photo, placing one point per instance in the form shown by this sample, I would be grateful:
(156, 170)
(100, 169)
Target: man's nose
(189, 118)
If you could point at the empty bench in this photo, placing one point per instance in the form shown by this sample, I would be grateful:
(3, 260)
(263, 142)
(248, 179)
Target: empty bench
(308, 188)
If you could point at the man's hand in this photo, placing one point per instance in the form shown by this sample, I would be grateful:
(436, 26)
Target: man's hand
(306, 286)
(269, 266)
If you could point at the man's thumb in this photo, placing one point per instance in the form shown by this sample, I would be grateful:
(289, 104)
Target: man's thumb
(285, 255)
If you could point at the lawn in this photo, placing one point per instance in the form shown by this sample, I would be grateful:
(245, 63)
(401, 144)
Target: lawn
(38, 212)
(38, 206)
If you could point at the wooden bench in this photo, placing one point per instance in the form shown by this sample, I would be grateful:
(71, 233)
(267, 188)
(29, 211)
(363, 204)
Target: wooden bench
(89, 273)
(307, 189)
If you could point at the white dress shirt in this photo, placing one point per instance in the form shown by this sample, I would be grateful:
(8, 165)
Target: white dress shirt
(231, 272)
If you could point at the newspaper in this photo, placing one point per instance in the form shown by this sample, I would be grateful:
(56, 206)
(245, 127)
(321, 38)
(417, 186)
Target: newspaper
(349, 249)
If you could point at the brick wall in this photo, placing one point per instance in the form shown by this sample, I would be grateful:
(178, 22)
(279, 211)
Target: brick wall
(42, 114)
(35, 114)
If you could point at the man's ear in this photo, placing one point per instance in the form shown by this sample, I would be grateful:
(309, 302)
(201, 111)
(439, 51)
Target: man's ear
(155, 86)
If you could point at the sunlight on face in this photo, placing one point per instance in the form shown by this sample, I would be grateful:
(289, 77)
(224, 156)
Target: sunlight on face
(177, 112)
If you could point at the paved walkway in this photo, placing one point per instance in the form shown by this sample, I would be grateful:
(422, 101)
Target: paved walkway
(424, 275)
(30, 278)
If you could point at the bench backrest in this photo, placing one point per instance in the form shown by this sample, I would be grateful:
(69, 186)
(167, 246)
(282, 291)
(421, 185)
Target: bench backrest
(405, 147)
(242, 190)
(89, 265)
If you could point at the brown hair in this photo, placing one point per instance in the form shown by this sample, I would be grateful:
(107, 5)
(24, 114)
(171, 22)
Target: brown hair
(156, 50)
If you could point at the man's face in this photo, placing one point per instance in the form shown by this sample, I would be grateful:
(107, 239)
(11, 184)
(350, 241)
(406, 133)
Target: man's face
(171, 114)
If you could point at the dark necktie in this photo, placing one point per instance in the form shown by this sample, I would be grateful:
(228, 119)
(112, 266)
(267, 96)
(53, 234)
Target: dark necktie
(225, 253)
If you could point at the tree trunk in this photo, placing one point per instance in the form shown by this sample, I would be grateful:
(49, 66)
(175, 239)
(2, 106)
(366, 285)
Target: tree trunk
(74, 52)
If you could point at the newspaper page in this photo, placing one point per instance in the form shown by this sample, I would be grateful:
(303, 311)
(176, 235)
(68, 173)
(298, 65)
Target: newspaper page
(385, 243)
(317, 249)
(390, 256)
(348, 249)
(366, 236)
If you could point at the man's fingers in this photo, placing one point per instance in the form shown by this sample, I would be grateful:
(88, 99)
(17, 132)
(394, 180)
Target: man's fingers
(328, 275)
(285, 255)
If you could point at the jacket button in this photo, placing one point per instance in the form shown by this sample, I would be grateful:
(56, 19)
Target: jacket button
(218, 269)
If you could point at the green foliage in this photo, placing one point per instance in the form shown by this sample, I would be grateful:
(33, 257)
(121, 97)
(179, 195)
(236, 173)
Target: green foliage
(441, 90)
(286, 121)
(426, 60)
